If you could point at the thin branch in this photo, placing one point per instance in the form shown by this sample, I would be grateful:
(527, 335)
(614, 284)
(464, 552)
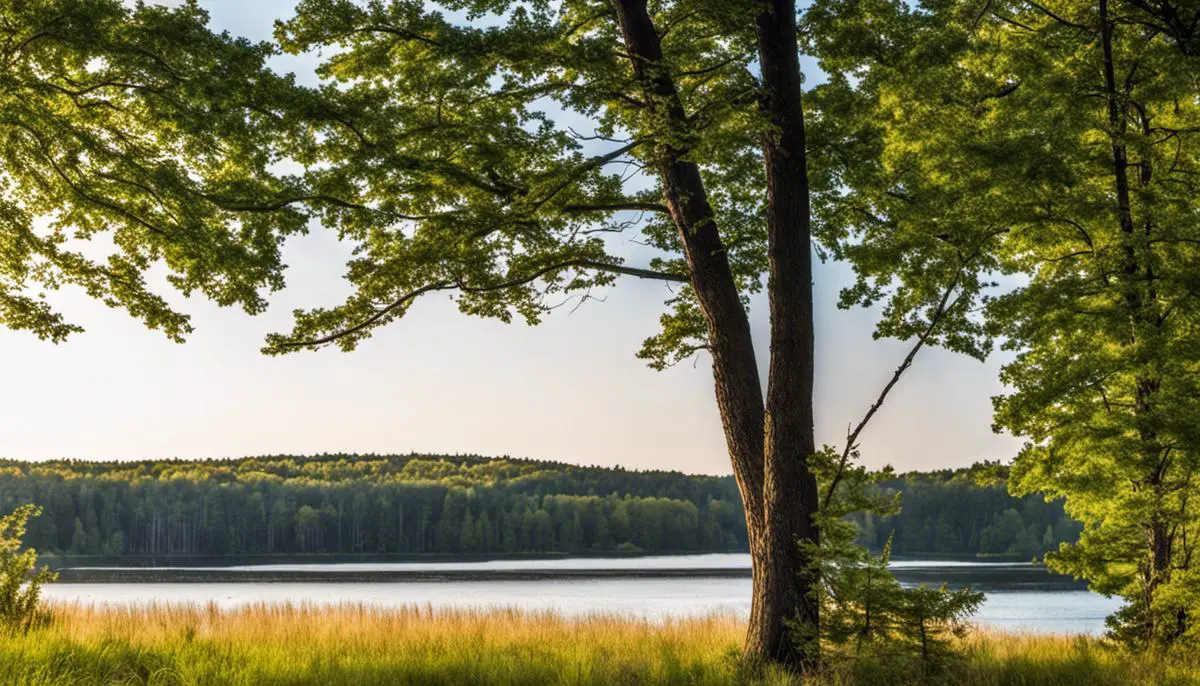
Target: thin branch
(617, 207)
(394, 31)
(943, 306)
(370, 321)
(460, 285)
(705, 70)
(979, 15)
(1013, 22)
(1056, 17)
(588, 165)
(234, 205)
(583, 264)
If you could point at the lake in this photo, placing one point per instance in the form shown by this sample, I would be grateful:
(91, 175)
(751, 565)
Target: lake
(1019, 596)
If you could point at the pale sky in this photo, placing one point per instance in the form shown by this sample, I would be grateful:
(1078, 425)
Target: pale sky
(438, 381)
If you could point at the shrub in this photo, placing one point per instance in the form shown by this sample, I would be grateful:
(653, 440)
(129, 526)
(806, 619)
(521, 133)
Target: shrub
(20, 578)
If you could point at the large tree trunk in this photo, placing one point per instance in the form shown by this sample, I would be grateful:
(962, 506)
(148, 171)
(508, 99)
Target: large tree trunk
(768, 446)
(789, 486)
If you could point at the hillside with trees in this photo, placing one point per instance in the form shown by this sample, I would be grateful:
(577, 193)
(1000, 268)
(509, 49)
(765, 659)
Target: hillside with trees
(408, 505)
(342, 504)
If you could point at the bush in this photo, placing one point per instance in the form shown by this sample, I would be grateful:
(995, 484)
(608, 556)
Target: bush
(20, 578)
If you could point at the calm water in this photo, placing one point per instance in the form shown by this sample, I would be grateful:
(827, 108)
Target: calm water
(1019, 596)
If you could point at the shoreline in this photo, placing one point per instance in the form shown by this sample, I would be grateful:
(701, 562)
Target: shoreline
(66, 560)
(216, 575)
(1016, 577)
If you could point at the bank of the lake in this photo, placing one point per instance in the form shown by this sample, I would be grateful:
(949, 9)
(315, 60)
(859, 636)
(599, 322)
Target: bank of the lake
(270, 645)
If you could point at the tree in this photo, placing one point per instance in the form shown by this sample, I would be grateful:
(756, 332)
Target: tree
(1058, 142)
(79, 541)
(1175, 20)
(468, 540)
(438, 139)
(905, 631)
(603, 536)
(141, 125)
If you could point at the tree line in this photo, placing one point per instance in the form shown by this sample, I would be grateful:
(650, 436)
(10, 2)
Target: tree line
(417, 505)
(965, 512)
(342, 504)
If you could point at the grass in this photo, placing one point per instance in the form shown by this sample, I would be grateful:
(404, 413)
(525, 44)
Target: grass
(362, 646)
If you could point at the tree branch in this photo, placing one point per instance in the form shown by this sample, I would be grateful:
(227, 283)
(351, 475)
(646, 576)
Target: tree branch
(394, 31)
(369, 321)
(466, 288)
(1057, 18)
(943, 306)
(617, 207)
(588, 165)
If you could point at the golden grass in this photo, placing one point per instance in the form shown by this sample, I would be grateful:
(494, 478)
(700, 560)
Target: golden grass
(363, 646)
(996, 658)
(360, 645)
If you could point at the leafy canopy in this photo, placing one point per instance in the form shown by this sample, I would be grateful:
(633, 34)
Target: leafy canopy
(495, 150)
(132, 137)
(1060, 142)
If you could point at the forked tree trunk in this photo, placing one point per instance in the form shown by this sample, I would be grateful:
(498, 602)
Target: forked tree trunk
(768, 444)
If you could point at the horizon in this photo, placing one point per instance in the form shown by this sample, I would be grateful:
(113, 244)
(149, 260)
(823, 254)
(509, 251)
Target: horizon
(437, 456)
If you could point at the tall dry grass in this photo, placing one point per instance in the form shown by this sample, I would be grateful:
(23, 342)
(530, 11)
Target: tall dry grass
(359, 645)
(362, 646)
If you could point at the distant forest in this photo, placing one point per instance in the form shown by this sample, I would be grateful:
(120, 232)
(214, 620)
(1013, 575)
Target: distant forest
(967, 512)
(419, 504)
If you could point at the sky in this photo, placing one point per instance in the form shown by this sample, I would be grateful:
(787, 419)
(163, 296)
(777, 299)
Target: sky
(440, 382)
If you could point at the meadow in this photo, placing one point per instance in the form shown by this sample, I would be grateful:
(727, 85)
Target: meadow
(301, 644)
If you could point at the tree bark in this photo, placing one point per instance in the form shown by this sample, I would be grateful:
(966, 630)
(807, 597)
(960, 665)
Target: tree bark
(769, 443)
(789, 487)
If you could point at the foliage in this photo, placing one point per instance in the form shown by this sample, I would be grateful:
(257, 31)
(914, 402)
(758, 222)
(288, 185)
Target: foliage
(415, 504)
(956, 512)
(20, 578)
(492, 150)
(1056, 145)
(132, 136)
